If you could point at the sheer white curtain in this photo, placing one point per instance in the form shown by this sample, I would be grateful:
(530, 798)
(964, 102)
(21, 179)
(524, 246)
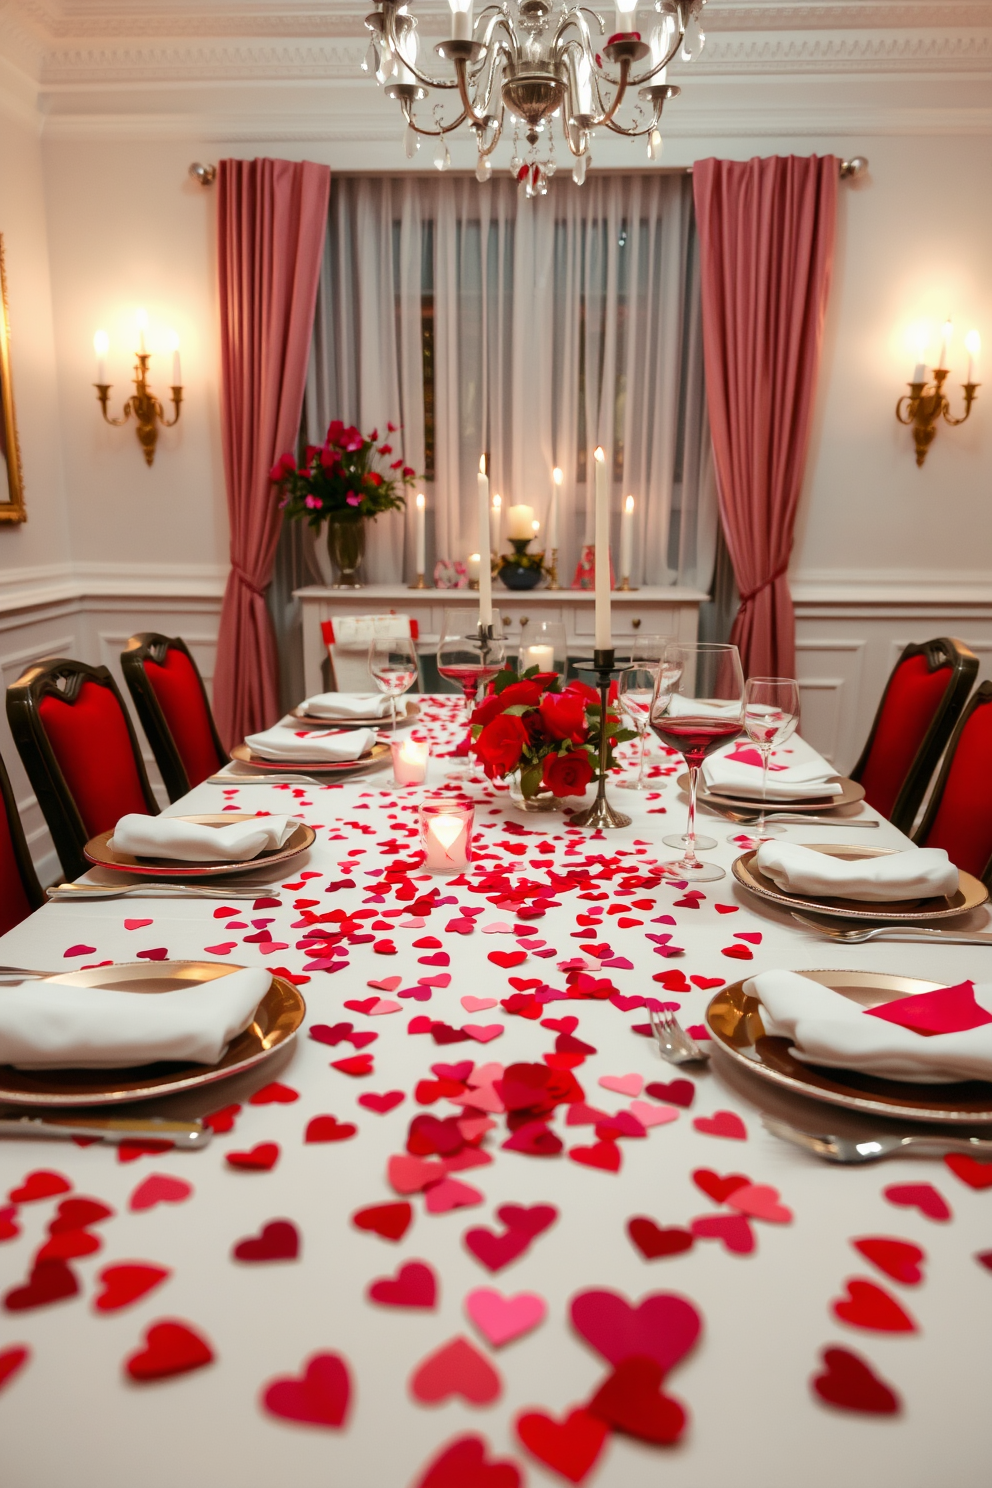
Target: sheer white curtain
(533, 330)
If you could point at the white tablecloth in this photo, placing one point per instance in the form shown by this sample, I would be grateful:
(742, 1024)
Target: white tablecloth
(71, 1416)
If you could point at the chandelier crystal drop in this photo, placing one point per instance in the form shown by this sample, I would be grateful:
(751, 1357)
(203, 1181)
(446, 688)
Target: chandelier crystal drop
(532, 62)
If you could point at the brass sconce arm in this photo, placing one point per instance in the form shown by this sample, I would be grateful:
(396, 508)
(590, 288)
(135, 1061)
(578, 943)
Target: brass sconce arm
(925, 404)
(148, 411)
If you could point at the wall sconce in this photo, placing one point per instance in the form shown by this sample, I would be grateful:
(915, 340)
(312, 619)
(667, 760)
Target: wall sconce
(148, 411)
(927, 402)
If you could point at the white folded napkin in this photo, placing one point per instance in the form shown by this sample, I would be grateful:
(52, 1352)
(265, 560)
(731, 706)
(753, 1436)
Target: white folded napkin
(311, 744)
(918, 873)
(54, 1025)
(351, 705)
(828, 1029)
(192, 842)
(793, 775)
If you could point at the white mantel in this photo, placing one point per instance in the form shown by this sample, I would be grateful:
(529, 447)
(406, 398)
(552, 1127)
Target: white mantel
(649, 611)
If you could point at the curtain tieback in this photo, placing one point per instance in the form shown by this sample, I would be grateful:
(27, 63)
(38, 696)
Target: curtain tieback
(766, 584)
(249, 583)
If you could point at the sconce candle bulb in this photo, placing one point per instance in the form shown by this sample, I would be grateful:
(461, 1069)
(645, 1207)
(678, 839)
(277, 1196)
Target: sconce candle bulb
(148, 411)
(927, 402)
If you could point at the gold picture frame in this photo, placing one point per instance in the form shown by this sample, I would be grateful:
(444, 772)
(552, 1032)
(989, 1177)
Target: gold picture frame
(11, 476)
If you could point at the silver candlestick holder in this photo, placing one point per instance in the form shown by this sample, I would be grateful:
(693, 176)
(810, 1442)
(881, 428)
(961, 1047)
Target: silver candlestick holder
(601, 813)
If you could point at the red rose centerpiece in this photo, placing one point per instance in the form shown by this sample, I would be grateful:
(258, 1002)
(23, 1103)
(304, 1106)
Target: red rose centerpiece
(544, 735)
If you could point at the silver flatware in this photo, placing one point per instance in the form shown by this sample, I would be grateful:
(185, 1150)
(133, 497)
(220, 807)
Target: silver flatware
(874, 1149)
(748, 818)
(674, 1043)
(24, 973)
(895, 932)
(233, 780)
(63, 893)
(113, 1129)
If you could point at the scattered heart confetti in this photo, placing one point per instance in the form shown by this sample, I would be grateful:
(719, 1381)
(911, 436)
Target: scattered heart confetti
(603, 1155)
(222, 1120)
(78, 950)
(75, 1213)
(649, 1115)
(279, 1240)
(160, 953)
(260, 1158)
(478, 1004)
(869, 1306)
(137, 924)
(355, 1065)
(391, 1221)
(319, 1398)
(622, 1084)
(899, 1259)
(483, 1033)
(976, 1174)
(501, 1319)
(329, 1129)
(274, 1094)
(463, 1464)
(716, 1187)
(662, 1326)
(456, 1368)
(171, 1347)
(507, 959)
(125, 1283)
(159, 1188)
(759, 1201)
(68, 1246)
(721, 1124)
(12, 1360)
(922, 1196)
(50, 1281)
(653, 1241)
(737, 952)
(414, 1285)
(631, 1401)
(569, 1447)
(676, 1092)
(450, 1194)
(381, 1103)
(734, 1230)
(850, 1383)
(385, 984)
(224, 949)
(41, 1184)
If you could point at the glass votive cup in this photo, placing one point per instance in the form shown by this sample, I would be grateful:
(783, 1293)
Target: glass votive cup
(543, 645)
(446, 834)
(410, 758)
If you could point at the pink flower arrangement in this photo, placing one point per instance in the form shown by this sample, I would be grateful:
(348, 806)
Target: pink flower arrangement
(339, 477)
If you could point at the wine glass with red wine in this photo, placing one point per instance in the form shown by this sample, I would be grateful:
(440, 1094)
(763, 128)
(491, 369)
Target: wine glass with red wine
(470, 656)
(697, 706)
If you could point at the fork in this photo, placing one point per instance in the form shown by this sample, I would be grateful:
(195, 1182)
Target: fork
(747, 818)
(873, 1149)
(674, 1043)
(233, 780)
(895, 932)
(64, 893)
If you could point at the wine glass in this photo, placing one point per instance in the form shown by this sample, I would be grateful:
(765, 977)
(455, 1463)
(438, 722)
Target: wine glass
(635, 688)
(469, 654)
(394, 667)
(698, 704)
(771, 716)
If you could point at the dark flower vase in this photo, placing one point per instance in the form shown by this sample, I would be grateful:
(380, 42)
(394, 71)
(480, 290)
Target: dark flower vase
(346, 549)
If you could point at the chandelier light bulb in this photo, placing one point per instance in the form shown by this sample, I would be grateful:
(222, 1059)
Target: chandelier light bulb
(557, 475)
(626, 10)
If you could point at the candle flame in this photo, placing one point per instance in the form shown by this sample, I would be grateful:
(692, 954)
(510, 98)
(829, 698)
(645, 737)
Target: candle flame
(173, 339)
(557, 475)
(421, 500)
(973, 343)
(628, 505)
(446, 829)
(497, 502)
(482, 465)
(599, 454)
(536, 526)
(101, 343)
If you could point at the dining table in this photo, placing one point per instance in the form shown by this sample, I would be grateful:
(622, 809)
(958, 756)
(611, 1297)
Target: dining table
(469, 1229)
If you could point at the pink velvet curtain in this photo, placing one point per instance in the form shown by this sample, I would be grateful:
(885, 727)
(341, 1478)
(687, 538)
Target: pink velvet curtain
(766, 233)
(272, 225)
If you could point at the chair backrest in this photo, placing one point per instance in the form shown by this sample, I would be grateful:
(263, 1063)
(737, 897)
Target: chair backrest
(20, 891)
(171, 701)
(921, 703)
(958, 817)
(79, 748)
(348, 637)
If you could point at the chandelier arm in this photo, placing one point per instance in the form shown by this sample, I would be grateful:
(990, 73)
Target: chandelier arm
(430, 133)
(949, 418)
(646, 77)
(469, 113)
(583, 10)
(580, 147)
(618, 99)
(497, 135)
(393, 42)
(633, 132)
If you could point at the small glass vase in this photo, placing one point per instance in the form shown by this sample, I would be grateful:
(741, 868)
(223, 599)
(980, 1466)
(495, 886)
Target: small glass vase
(544, 800)
(346, 549)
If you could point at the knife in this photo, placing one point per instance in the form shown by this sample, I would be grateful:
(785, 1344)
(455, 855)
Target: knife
(114, 1129)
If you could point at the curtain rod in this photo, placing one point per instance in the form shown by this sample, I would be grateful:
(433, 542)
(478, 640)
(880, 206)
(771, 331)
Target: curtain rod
(850, 170)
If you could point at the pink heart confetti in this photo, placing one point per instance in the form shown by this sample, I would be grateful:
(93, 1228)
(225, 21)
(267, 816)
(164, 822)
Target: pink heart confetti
(501, 1319)
(159, 1188)
(450, 1194)
(478, 1004)
(759, 1201)
(651, 1115)
(384, 1006)
(137, 924)
(622, 1084)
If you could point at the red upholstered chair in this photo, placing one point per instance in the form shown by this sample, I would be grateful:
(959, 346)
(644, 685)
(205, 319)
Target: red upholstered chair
(171, 701)
(958, 817)
(920, 706)
(78, 745)
(20, 891)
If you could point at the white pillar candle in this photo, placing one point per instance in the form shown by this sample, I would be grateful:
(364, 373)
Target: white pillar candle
(473, 567)
(447, 836)
(604, 632)
(920, 372)
(557, 476)
(542, 657)
(627, 538)
(973, 342)
(142, 322)
(485, 571)
(461, 20)
(177, 371)
(494, 522)
(520, 523)
(101, 345)
(421, 534)
(410, 761)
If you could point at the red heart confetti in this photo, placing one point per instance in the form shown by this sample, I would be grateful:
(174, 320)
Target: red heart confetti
(77, 1213)
(12, 1360)
(733, 1230)
(604, 1155)
(279, 1240)
(569, 1447)
(922, 1196)
(320, 1398)
(355, 1065)
(160, 953)
(224, 949)
(675, 1092)
(899, 1259)
(631, 1401)
(171, 1347)
(737, 952)
(260, 1158)
(125, 1283)
(849, 1383)
(381, 1103)
(68, 1246)
(222, 1120)
(976, 1174)
(159, 1188)
(41, 1184)
(137, 924)
(50, 1281)
(391, 1221)
(662, 1327)
(726, 908)
(455, 1369)
(79, 950)
(414, 1285)
(706, 983)
(869, 1306)
(721, 1124)
(329, 1129)
(507, 959)
(463, 1464)
(653, 1241)
(274, 1094)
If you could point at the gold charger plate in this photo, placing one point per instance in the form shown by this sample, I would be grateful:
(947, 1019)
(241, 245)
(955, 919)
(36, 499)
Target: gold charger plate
(376, 754)
(971, 891)
(277, 1019)
(851, 793)
(412, 714)
(99, 851)
(734, 1021)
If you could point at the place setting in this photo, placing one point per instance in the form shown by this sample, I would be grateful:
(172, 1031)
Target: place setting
(317, 752)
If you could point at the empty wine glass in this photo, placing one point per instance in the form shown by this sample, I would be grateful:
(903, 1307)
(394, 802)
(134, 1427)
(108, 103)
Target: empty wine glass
(635, 688)
(698, 704)
(394, 667)
(771, 716)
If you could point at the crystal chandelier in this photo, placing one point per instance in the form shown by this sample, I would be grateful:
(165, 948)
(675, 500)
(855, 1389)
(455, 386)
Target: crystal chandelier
(528, 62)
